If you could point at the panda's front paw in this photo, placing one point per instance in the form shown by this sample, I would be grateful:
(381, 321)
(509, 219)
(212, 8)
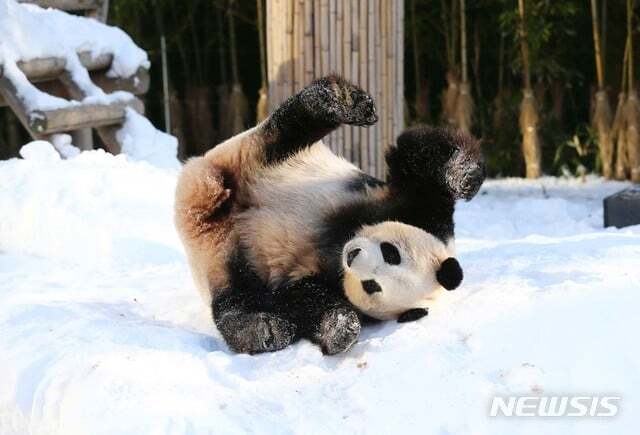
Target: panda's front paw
(339, 330)
(338, 101)
(412, 315)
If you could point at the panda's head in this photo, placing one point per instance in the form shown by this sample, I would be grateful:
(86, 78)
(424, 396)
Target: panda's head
(390, 268)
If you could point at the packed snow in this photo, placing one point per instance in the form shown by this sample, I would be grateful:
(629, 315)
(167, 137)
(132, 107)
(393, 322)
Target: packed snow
(30, 32)
(103, 332)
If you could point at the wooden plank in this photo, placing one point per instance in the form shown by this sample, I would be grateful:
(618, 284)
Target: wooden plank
(80, 116)
(82, 139)
(66, 5)
(50, 68)
(107, 134)
(17, 105)
(100, 13)
(137, 84)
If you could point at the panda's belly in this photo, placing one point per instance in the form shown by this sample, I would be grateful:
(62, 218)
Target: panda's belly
(289, 201)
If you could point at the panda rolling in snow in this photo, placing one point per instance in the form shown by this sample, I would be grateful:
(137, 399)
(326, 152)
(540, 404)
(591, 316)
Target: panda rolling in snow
(286, 240)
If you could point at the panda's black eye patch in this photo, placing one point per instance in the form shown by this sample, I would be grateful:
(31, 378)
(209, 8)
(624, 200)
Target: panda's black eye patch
(390, 253)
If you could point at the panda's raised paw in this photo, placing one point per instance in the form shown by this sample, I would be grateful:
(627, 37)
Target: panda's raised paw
(339, 330)
(340, 101)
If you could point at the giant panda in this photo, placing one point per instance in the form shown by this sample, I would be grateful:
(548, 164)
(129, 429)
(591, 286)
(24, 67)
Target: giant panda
(286, 240)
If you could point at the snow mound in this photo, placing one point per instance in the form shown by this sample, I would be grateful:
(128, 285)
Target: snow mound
(102, 331)
(30, 32)
(141, 141)
(39, 151)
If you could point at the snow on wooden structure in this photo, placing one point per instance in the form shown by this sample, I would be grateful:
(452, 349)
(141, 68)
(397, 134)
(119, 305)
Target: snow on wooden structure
(97, 9)
(54, 77)
(363, 41)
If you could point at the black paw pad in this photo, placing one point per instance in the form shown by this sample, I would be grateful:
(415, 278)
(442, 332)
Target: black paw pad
(450, 274)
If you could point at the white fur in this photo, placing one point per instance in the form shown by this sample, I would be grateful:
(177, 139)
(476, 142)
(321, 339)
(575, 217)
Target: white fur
(410, 284)
(288, 203)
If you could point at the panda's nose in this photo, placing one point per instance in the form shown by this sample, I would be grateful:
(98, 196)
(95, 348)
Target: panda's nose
(371, 286)
(352, 255)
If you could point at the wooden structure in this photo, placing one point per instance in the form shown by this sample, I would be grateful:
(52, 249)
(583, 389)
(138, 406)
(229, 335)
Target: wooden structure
(362, 40)
(50, 75)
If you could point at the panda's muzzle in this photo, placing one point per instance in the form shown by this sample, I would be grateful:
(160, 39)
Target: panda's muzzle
(371, 286)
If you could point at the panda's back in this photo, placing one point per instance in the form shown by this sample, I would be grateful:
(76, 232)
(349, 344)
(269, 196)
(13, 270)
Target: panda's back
(289, 203)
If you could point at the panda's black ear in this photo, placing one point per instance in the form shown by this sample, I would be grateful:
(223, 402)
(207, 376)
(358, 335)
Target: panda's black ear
(450, 274)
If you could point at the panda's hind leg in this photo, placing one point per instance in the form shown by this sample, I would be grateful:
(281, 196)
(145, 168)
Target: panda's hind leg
(248, 329)
(321, 314)
(200, 195)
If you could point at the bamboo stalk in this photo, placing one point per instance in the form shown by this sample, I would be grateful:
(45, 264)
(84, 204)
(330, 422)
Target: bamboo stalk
(463, 41)
(632, 108)
(360, 39)
(339, 66)
(308, 41)
(262, 107)
(346, 70)
(364, 135)
(355, 72)
(333, 136)
(372, 82)
(596, 44)
(384, 78)
(296, 51)
(524, 45)
(528, 110)
(630, 40)
(602, 112)
(619, 126)
(317, 58)
(392, 71)
(399, 49)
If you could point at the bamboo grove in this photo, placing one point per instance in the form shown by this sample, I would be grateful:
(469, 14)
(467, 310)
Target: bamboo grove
(550, 86)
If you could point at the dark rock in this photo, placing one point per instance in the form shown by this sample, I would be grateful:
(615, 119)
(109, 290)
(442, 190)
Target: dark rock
(622, 209)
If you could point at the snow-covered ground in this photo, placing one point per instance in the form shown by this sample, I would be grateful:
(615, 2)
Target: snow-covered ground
(102, 331)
